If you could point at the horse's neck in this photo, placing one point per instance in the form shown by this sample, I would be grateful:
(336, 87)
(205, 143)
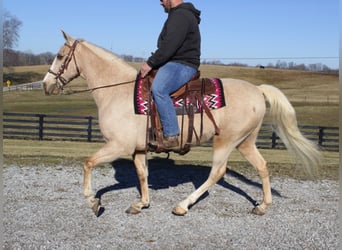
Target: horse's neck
(102, 68)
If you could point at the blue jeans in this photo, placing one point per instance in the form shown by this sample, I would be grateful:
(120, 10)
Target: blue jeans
(169, 78)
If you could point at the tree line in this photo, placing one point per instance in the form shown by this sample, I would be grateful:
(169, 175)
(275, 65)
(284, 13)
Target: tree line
(279, 65)
(18, 58)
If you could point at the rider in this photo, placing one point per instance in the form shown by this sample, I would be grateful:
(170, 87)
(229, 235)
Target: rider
(177, 59)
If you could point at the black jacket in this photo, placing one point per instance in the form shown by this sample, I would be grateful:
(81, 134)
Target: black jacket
(180, 39)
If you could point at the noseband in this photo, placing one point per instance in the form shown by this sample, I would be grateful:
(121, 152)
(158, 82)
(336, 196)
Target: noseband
(60, 80)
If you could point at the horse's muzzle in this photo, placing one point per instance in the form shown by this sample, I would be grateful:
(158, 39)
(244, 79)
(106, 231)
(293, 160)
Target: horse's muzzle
(51, 89)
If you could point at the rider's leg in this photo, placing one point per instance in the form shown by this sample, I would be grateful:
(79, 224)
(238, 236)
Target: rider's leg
(168, 79)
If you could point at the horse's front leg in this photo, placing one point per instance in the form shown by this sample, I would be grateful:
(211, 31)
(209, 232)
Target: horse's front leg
(107, 153)
(141, 167)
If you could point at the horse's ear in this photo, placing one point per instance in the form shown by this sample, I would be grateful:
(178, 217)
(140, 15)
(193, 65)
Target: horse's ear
(67, 38)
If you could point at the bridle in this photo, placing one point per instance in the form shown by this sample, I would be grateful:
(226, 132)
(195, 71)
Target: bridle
(60, 80)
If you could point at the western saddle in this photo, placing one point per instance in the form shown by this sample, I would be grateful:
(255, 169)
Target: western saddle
(194, 91)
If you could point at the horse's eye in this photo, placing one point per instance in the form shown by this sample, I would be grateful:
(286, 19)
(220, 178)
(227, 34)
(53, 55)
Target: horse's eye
(59, 56)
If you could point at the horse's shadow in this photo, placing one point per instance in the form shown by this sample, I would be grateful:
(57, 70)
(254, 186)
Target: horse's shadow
(164, 173)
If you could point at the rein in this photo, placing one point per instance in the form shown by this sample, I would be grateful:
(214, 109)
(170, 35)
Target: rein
(100, 87)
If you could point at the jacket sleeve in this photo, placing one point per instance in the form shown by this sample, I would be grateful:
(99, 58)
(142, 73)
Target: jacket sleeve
(171, 38)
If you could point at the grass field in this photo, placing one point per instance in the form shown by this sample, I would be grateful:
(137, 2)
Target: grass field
(314, 95)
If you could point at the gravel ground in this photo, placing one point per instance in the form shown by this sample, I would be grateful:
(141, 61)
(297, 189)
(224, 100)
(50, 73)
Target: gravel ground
(44, 209)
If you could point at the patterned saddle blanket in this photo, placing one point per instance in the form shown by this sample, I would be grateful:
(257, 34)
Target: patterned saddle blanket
(213, 97)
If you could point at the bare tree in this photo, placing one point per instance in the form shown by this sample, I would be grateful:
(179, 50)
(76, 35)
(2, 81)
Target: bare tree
(11, 26)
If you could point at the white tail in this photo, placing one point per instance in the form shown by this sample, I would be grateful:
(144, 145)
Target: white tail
(285, 124)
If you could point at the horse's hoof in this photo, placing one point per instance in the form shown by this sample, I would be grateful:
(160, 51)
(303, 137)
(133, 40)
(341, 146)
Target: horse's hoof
(99, 211)
(136, 208)
(258, 210)
(179, 211)
(133, 210)
(96, 207)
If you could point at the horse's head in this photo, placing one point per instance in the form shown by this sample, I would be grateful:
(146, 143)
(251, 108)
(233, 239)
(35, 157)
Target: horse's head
(63, 69)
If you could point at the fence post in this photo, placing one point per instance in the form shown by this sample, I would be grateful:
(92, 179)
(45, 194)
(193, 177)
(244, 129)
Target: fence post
(41, 127)
(89, 130)
(320, 135)
(274, 140)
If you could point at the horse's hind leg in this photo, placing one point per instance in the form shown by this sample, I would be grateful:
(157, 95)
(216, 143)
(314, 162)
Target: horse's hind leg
(219, 167)
(252, 154)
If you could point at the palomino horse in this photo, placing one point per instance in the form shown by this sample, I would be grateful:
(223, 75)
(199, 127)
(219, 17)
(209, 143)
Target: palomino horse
(111, 82)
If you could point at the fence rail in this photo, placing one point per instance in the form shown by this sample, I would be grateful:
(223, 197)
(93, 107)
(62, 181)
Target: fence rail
(86, 128)
(24, 86)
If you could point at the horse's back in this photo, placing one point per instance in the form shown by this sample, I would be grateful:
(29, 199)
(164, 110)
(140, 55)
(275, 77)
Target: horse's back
(243, 97)
(244, 111)
(241, 88)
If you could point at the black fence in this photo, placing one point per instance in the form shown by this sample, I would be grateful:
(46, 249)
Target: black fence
(86, 128)
(51, 127)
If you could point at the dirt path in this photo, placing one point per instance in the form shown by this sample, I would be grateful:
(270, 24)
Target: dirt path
(44, 209)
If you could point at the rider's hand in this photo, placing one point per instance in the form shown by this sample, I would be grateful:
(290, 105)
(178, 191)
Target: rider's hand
(145, 68)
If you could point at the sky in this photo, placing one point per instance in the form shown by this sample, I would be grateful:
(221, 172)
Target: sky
(245, 31)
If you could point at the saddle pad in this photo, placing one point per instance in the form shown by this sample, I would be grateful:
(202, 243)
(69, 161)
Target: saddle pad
(213, 101)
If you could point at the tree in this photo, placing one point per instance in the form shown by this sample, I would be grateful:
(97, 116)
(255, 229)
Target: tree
(11, 26)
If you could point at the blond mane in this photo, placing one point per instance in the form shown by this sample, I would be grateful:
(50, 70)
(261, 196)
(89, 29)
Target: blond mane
(106, 54)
